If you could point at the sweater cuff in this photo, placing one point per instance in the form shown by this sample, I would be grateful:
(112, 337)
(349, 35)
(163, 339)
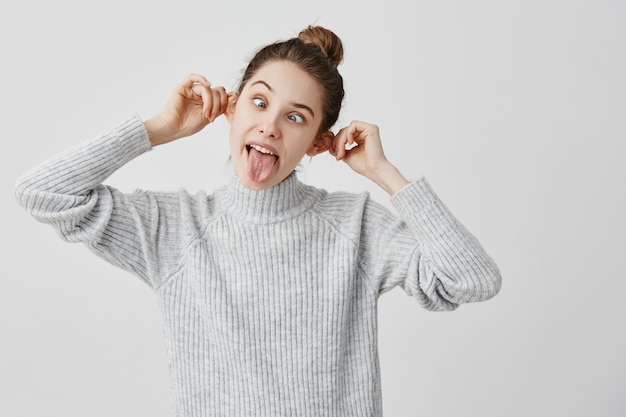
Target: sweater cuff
(130, 137)
(85, 165)
(415, 196)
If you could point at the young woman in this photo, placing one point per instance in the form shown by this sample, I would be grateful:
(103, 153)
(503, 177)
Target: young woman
(268, 287)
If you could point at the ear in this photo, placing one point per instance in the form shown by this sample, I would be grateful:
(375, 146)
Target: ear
(230, 107)
(321, 143)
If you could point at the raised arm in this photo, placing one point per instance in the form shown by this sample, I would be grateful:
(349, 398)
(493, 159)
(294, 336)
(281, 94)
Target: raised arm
(425, 250)
(67, 191)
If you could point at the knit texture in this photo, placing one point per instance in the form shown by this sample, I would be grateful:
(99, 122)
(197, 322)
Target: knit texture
(269, 298)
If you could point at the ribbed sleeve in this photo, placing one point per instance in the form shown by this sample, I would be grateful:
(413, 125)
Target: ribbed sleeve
(452, 266)
(67, 193)
(74, 173)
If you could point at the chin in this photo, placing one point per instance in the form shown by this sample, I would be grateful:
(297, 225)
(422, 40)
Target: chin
(254, 185)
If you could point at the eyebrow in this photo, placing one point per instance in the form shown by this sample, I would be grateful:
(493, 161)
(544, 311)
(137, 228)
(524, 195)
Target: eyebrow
(298, 105)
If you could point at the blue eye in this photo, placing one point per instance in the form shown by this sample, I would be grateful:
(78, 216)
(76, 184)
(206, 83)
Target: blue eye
(296, 118)
(259, 102)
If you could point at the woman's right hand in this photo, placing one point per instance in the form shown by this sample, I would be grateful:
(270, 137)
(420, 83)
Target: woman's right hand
(191, 106)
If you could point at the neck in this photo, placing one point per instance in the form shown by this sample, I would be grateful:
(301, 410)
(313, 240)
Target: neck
(282, 201)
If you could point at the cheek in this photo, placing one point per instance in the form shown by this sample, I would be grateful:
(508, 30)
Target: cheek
(235, 132)
(234, 143)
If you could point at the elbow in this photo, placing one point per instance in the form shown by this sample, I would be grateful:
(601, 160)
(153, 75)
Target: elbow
(484, 286)
(492, 286)
(446, 292)
(30, 194)
(475, 288)
(22, 190)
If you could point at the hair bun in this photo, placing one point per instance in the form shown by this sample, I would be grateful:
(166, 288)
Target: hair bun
(325, 40)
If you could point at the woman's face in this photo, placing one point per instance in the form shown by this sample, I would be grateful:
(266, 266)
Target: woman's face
(274, 123)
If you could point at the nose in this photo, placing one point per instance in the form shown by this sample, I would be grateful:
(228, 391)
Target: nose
(269, 125)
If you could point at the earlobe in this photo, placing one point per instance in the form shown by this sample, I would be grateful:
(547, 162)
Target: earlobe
(321, 143)
(230, 107)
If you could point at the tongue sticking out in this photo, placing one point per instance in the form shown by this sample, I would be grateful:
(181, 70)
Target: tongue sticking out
(260, 165)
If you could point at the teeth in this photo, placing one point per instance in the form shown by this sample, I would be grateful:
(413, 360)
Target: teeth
(262, 149)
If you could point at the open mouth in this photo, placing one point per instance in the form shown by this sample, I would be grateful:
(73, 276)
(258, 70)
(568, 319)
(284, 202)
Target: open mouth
(260, 149)
(261, 162)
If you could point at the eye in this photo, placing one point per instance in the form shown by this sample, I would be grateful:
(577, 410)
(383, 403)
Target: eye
(259, 102)
(296, 118)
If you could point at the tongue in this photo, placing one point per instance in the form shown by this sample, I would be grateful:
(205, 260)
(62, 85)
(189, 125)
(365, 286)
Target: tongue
(260, 165)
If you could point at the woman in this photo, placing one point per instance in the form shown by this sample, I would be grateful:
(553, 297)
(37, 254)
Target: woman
(268, 287)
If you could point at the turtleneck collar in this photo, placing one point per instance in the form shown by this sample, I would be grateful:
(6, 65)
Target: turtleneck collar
(284, 200)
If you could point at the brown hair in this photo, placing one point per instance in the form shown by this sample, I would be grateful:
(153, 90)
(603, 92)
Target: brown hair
(316, 50)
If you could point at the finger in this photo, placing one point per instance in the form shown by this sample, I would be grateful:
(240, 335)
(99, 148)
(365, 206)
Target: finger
(348, 138)
(211, 110)
(186, 85)
(341, 146)
(224, 101)
(206, 96)
(219, 97)
(335, 146)
(362, 132)
(194, 78)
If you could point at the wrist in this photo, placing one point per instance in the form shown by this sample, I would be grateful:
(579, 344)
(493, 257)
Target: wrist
(158, 131)
(389, 178)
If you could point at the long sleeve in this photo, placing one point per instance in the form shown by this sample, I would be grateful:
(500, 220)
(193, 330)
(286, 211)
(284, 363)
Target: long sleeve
(67, 193)
(426, 251)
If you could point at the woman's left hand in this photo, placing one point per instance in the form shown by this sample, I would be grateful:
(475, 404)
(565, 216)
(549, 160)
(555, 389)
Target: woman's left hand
(366, 155)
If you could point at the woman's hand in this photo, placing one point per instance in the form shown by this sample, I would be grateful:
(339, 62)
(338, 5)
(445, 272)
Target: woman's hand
(366, 155)
(191, 106)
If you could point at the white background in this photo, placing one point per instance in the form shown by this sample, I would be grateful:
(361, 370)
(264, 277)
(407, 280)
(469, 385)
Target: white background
(514, 110)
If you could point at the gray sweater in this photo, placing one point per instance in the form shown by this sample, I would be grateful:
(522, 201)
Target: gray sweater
(269, 298)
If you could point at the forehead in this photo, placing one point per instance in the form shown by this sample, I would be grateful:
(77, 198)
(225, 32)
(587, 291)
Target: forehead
(288, 82)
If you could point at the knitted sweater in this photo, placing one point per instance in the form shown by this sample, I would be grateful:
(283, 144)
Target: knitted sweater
(269, 298)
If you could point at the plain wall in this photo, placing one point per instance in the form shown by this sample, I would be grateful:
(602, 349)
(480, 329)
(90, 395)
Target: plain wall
(514, 110)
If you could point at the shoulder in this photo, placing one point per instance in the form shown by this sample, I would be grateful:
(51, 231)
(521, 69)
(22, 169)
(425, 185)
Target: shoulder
(348, 211)
(345, 204)
(172, 199)
(195, 209)
(339, 204)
